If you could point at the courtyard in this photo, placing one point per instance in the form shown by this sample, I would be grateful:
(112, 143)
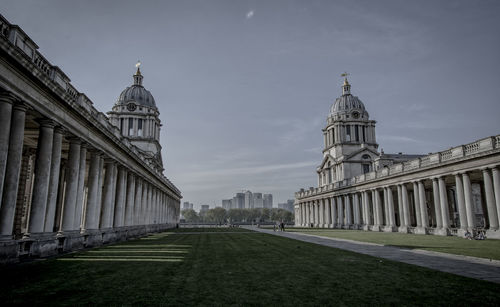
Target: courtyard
(232, 266)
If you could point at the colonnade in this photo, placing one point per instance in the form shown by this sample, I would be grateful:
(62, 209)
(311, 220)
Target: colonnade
(445, 204)
(62, 192)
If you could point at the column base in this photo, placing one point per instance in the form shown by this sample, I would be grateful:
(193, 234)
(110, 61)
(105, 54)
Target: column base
(389, 229)
(442, 232)
(346, 227)
(420, 230)
(403, 229)
(376, 228)
(493, 234)
(366, 227)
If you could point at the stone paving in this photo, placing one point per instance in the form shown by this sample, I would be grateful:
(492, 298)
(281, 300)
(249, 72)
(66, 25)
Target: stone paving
(473, 267)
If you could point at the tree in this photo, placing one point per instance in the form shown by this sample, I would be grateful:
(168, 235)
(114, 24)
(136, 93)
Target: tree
(218, 215)
(190, 215)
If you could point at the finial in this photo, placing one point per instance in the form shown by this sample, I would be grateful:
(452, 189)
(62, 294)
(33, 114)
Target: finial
(138, 77)
(138, 65)
(346, 87)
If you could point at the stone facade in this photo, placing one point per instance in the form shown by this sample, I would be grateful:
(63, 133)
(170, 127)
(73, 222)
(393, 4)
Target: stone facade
(445, 193)
(68, 177)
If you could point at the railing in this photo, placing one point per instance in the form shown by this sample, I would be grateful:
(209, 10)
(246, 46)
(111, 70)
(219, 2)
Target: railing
(16, 37)
(454, 153)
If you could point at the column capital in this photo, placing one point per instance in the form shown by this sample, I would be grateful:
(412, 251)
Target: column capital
(45, 122)
(74, 140)
(19, 105)
(59, 129)
(8, 97)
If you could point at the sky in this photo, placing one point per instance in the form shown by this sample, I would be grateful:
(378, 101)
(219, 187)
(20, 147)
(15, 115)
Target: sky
(244, 87)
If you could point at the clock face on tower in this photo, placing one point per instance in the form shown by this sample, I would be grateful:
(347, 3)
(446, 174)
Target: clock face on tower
(131, 106)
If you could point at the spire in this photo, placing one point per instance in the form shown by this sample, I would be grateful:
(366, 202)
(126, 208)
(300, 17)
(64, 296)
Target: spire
(138, 77)
(346, 87)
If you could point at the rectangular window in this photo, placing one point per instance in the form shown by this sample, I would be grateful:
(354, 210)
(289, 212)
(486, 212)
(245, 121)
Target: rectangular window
(139, 127)
(348, 133)
(364, 134)
(121, 125)
(366, 168)
(130, 126)
(356, 132)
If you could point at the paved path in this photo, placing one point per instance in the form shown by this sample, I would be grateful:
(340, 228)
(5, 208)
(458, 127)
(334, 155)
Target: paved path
(473, 267)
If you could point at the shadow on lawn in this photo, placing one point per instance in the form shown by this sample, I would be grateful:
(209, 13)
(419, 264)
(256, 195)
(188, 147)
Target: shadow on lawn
(142, 250)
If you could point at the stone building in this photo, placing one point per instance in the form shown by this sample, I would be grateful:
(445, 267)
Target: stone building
(69, 177)
(446, 193)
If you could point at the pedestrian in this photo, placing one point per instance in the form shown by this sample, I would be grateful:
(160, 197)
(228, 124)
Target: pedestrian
(274, 227)
(282, 226)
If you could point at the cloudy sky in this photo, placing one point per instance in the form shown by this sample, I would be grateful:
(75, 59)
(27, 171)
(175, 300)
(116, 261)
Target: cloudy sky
(244, 87)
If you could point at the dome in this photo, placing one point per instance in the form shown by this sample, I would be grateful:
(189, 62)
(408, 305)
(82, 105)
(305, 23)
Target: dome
(347, 103)
(137, 93)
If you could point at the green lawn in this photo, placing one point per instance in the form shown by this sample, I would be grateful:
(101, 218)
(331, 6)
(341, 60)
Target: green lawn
(246, 268)
(489, 248)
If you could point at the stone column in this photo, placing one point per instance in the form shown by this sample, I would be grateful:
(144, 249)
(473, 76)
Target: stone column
(12, 169)
(378, 208)
(437, 203)
(316, 213)
(496, 187)
(6, 101)
(443, 199)
(72, 174)
(42, 176)
(416, 203)
(340, 206)
(334, 212)
(423, 204)
(99, 191)
(328, 213)
(144, 206)
(55, 167)
(107, 197)
(390, 205)
(120, 197)
(461, 201)
(490, 199)
(406, 207)
(148, 204)
(348, 211)
(138, 201)
(322, 212)
(355, 203)
(471, 218)
(81, 187)
(369, 210)
(129, 208)
(400, 206)
(385, 211)
(93, 186)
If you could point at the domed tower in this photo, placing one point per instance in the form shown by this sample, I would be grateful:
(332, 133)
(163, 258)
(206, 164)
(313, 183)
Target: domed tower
(136, 115)
(349, 137)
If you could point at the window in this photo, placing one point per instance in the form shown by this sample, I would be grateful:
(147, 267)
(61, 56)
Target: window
(366, 168)
(365, 157)
(139, 127)
(356, 132)
(348, 133)
(364, 134)
(121, 125)
(130, 126)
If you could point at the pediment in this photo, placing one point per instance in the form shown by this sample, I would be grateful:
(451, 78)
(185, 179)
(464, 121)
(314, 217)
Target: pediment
(326, 159)
(358, 154)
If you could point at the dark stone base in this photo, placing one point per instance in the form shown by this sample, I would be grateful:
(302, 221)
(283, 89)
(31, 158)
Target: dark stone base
(40, 245)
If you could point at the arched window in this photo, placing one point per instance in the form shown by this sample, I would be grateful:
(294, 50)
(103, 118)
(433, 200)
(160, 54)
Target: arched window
(365, 157)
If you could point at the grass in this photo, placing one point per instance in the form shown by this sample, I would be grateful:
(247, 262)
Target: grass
(489, 249)
(247, 268)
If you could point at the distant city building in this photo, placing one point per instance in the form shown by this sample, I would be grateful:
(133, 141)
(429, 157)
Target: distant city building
(238, 201)
(258, 202)
(187, 205)
(226, 203)
(287, 206)
(268, 201)
(204, 208)
(248, 200)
